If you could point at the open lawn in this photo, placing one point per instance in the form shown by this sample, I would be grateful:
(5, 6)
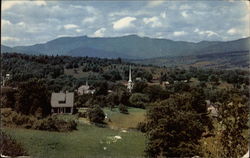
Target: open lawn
(119, 120)
(87, 141)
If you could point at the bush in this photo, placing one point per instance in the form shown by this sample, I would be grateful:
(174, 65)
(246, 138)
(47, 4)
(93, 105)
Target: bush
(82, 114)
(123, 109)
(52, 123)
(10, 147)
(138, 100)
(141, 126)
(11, 118)
(96, 115)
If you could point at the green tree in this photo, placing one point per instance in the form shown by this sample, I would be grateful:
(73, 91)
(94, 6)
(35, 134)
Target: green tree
(139, 86)
(33, 98)
(138, 100)
(156, 92)
(96, 115)
(233, 118)
(174, 127)
(123, 109)
(101, 88)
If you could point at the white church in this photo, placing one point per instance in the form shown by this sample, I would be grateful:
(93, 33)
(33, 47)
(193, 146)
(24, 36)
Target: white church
(130, 82)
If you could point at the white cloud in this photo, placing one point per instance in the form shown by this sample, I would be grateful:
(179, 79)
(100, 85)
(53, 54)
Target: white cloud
(154, 3)
(9, 4)
(154, 21)
(91, 9)
(22, 24)
(185, 7)
(79, 30)
(99, 33)
(208, 33)
(70, 26)
(7, 38)
(196, 30)
(179, 33)
(232, 31)
(164, 15)
(124, 23)
(211, 33)
(5, 22)
(89, 20)
(184, 14)
(129, 13)
(64, 35)
(40, 3)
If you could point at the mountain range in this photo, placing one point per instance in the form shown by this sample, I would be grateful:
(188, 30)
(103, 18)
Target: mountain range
(129, 47)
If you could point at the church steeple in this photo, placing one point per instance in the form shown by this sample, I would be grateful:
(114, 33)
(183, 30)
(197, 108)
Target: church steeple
(130, 78)
(130, 82)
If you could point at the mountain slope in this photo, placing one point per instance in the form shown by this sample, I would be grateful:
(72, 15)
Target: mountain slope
(6, 48)
(131, 46)
(226, 60)
(91, 52)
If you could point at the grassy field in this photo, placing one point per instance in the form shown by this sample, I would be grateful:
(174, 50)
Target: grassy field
(125, 121)
(119, 120)
(89, 140)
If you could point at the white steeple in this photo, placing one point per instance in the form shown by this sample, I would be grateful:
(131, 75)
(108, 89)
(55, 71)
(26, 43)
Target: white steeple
(130, 82)
(130, 78)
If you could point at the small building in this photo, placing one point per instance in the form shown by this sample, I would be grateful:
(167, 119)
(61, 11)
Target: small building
(165, 83)
(62, 103)
(85, 89)
(211, 108)
(138, 79)
(4, 79)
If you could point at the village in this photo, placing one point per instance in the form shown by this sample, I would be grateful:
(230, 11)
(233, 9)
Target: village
(124, 79)
(63, 102)
(117, 108)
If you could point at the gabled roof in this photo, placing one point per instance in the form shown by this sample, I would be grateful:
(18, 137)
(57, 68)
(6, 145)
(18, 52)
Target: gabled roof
(83, 88)
(62, 99)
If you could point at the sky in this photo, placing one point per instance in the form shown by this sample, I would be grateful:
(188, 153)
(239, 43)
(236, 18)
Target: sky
(32, 22)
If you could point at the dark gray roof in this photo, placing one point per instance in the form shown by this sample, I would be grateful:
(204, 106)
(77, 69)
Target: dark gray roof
(62, 99)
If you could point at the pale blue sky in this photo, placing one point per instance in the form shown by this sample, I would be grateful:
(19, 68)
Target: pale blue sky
(31, 22)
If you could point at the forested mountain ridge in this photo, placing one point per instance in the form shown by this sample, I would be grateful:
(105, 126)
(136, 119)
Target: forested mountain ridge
(131, 46)
(223, 60)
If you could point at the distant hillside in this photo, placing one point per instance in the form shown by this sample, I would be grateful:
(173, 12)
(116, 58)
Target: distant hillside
(91, 52)
(226, 60)
(132, 46)
(5, 49)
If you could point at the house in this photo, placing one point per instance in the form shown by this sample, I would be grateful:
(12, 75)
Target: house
(212, 108)
(138, 79)
(165, 83)
(4, 79)
(85, 89)
(62, 103)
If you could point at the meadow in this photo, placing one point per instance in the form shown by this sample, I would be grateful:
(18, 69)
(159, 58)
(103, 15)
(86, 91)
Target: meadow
(87, 141)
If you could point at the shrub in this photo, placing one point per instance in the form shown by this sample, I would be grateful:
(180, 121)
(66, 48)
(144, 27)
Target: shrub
(123, 109)
(52, 123)
(10, 147)
(141, 126)
(82, 114)
(138, 100)
(96, 115)
(12, 118)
